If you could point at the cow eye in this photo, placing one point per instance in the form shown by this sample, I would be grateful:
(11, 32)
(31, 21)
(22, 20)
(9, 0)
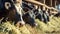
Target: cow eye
(7, 5)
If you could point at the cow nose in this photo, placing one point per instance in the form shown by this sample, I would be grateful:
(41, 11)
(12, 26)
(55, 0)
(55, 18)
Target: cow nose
(7, 5)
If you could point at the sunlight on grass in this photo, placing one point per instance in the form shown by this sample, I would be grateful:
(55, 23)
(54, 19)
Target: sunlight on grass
(53, 25)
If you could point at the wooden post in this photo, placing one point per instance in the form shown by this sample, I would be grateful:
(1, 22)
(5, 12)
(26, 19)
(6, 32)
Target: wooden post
(51, 2)
(44, 6)
(50, 6)
(44, 1)
(55, 2)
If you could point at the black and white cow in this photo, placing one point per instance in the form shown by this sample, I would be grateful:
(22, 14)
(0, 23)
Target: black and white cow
(42, 15)
(38, 14)
(11, 11)
(29, 16)
(45, 17)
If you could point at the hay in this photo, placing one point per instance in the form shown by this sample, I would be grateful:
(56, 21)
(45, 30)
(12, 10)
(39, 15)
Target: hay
(41, 28)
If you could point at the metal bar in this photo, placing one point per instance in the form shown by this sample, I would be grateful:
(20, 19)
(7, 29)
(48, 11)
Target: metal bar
(40, 4)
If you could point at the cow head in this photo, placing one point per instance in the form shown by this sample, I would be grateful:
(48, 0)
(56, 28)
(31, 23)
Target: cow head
(13, 9)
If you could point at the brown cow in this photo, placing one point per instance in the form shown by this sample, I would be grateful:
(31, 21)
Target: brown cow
(11, 9)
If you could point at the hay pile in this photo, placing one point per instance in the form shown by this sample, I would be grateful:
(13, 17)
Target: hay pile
(42, 28)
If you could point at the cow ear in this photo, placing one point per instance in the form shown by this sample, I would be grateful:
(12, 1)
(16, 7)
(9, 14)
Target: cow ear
(7, 5)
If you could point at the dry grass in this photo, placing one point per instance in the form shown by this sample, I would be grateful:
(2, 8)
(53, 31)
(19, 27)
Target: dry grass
(42, 28)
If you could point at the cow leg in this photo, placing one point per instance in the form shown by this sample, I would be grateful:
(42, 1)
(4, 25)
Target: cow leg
(45, 18)
(1, 20)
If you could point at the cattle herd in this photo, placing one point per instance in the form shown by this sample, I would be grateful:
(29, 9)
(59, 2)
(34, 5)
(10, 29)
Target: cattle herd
(21, 12)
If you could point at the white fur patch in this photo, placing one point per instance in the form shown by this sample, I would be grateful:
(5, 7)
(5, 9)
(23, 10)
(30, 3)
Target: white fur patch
(19, 11)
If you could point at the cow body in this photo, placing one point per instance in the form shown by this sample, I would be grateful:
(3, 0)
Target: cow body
(29, 16)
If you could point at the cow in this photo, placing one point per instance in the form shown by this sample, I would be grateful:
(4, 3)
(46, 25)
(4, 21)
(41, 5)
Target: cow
(42, 15)
(45, 17)
(28, 16)
(58, 14)
(38, 14)
(11, 11)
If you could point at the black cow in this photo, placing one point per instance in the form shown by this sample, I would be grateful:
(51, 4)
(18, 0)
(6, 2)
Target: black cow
(38, 14)
(5, 8)
(29, 15)
(11, 11)
(42, 15)
(45, 17)
(57, 15)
